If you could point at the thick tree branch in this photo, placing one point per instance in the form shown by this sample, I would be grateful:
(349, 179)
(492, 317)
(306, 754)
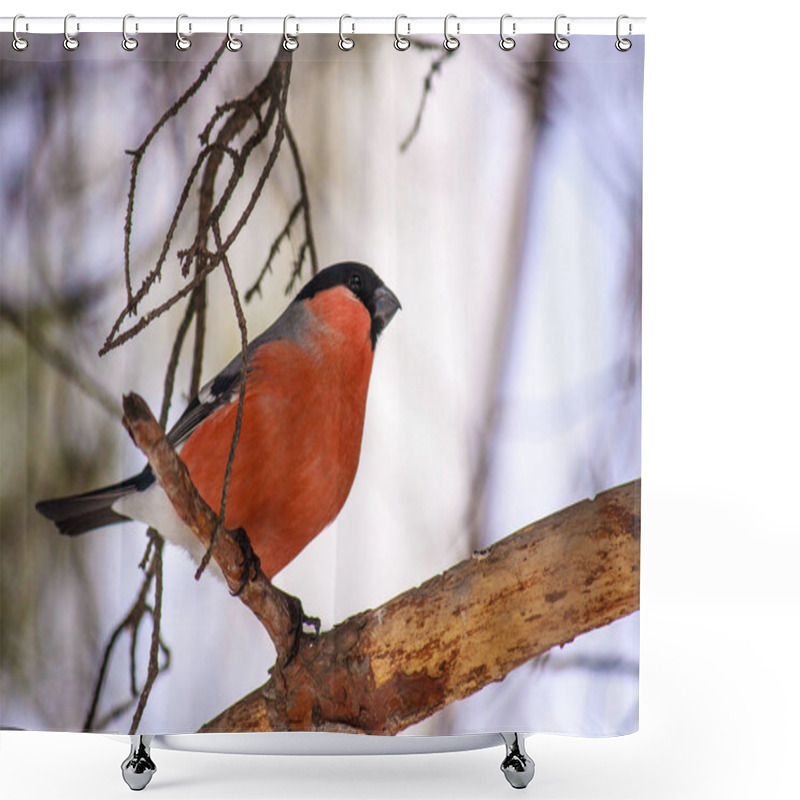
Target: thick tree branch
(385, 669)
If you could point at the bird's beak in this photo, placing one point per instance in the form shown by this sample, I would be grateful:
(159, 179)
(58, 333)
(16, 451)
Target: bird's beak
(386, 306)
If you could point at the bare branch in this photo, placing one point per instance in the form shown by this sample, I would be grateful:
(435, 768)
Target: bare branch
(304, 198)
(156, 271)
(144, 321)
(272, 91)
(132, 623)
(273, 251)
(307, 246)
(172, 365)
(427, 85)
(237, 430)
(224, 108)
(153, 667)
(138, 155)
(385, 669)
(297, 268)
(199, 305)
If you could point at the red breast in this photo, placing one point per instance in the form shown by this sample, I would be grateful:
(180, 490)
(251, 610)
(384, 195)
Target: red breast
(301, 431)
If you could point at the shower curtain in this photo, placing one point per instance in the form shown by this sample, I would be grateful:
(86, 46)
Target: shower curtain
(444, 247)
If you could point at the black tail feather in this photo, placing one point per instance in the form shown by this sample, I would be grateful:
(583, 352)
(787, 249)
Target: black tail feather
(85, 512)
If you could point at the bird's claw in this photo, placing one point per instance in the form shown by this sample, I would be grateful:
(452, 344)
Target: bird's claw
(315, 623)
(298, 619)
(251, 563)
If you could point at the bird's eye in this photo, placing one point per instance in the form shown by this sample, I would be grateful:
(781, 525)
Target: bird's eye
(354, 282)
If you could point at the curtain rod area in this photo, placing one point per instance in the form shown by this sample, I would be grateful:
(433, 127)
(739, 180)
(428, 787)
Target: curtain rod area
(298, 25)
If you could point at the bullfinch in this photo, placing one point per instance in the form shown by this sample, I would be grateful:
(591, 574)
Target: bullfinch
(297, 455)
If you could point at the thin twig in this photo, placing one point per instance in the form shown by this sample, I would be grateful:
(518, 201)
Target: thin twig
(146, 557)
(234, 124)
(301, 176)
(138, 155)
(224, 108)
(208, 215)
(262, 179)
(114, 714)
(153, 667)
(155, 273)
(427, 85)
(297, 269)
(132, 623)
(275, 89)
(172, 365)
(240, 318)
(199, 307)
(132, 618)
(273, 251)
(144, 321)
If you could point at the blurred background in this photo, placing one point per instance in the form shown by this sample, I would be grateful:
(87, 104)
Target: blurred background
(508, 387)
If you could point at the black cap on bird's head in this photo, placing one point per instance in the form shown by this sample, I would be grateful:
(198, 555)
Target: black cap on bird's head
(378, 299)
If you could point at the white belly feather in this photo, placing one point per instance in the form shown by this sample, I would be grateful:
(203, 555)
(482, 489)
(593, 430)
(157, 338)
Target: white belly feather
(153, 508)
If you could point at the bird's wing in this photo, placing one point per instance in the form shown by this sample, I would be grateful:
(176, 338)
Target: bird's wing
(224, 388)
(220, 391)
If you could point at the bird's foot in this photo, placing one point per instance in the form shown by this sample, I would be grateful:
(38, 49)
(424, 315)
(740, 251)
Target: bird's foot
(251, 563)
(298, 619)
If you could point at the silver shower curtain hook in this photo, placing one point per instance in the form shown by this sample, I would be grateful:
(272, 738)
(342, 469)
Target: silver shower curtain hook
(401, 42)
(507, 42)
(450, 41)
(181, 41)
(560, 43)
(623, 45)
(345, 43)
(290, 43)
(129, 43)
(18, 43)
(70, 42)
(233, 44)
